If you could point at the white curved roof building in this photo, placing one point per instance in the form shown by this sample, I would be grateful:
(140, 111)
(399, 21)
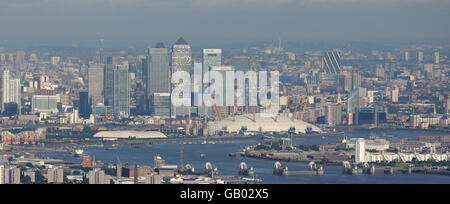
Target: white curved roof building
(129, 135)
(264, 124)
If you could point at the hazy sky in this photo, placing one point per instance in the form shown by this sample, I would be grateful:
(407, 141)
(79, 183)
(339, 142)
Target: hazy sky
(82, 22)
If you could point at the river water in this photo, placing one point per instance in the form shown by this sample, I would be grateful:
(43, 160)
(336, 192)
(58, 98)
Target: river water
(217, 154)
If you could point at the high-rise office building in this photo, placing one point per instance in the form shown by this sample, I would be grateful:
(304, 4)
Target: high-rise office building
(97, 176)
(144, 67)
(334, 114)
(85, 109)
(348, 83)
(210, 57)
(181, 56)
(108, 84)
(139, 69)
(181, 60)
(160, 104)
(19, 61)
(158, 74)
(2, 58)
(447, 106)
(11, 91)
(2, 174)
(112, 60)
(394, 95)
(332, 62)
(223, 71)
(55, 60)
(406, 56)
(371, 115)
(95, 83)
(420, 57)
(55, 175)
(241, 63)
(9, 174)
(121, 91)
(436, 57)
(356, 100)
(356, 80)
(44, 104)
(116, 92)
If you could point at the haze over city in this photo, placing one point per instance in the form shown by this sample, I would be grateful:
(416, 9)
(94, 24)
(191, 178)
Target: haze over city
(206, 22)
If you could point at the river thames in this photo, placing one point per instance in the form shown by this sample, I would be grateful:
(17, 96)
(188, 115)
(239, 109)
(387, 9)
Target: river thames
(217, 154)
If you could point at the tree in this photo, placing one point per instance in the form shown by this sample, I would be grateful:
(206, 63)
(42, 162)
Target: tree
(26, 180)
(40, 179)
(110, 171)
(85, 180)
(66, 180)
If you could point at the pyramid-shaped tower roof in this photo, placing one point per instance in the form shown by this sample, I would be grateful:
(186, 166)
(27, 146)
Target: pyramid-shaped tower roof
(181, 41)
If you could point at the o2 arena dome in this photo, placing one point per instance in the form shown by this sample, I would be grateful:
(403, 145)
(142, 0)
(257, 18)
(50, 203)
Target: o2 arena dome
(260, 124)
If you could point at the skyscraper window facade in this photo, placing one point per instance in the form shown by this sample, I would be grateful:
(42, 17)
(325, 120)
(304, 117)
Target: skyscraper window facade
(11, 91)
(158, 75)
(181, 60)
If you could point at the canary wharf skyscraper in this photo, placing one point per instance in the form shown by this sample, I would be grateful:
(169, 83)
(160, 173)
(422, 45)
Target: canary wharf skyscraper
(332, 62)
(211, 57)
(158, 71)
(95, 83)
(181, 60)
(116, 91)
(121, 91)
(181, 56)
(108, 84)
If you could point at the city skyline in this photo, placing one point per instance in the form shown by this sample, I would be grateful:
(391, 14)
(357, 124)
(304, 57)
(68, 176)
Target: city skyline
(224, 92)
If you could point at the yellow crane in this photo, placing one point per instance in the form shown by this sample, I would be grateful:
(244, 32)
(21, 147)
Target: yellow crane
(217, 112)
(303, 108)
(286, 108)
(232, 113)
(302, 102)
(295, 110)
(225, 110)
(254, 114)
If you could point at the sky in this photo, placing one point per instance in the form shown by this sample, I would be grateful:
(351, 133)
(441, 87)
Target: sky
(134, 22)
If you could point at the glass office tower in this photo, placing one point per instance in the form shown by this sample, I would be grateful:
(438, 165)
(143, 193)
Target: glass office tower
(158, 80)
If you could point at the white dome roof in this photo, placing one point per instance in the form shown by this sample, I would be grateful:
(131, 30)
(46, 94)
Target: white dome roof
(266, 124)
(130, 134)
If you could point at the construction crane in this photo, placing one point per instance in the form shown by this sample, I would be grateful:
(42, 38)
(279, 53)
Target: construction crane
(300, 107)
(287, 107)
(254, 114)
(225, 110)
(118, 159)
(232, 113)
(218, 117)
(181, 156)
(295, 110)
(267, 107)
(303, 108)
